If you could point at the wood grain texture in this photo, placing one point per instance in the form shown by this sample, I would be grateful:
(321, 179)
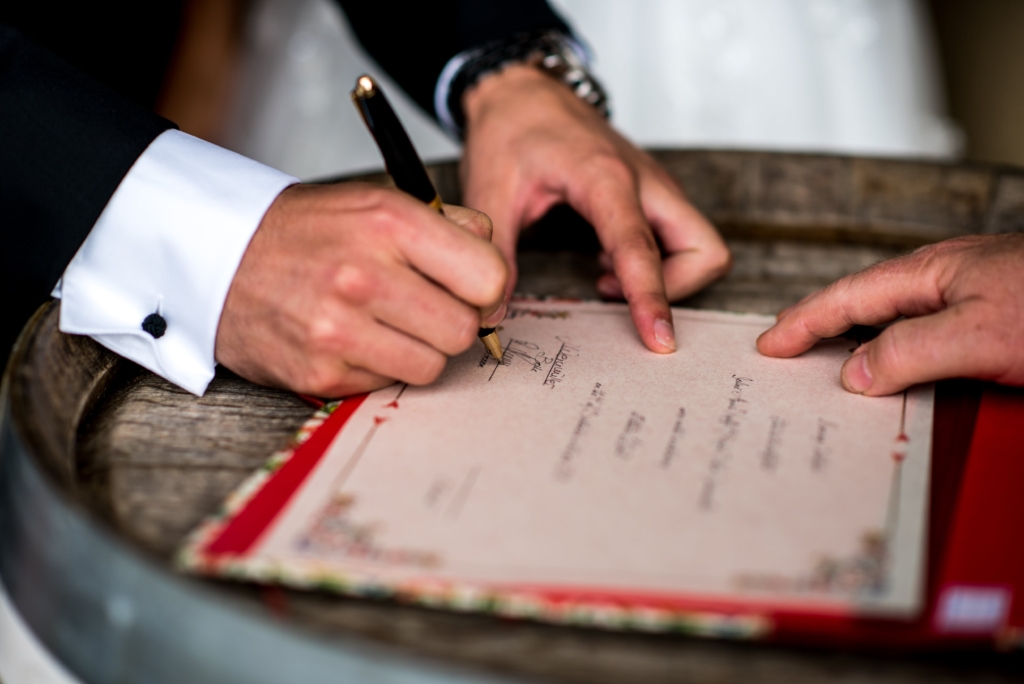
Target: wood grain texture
(152, 460)
(54, 381)
(902, 203)
(157, 459)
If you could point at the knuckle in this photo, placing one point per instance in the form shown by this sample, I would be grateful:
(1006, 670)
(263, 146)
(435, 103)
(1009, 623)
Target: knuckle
(493, 278)
(939, 254)
(322, 380)
(944, 248)
(839, 289)
(384, 213)
(834, 298)
(819, 317)
(383, 220)
(482, 225)
(611, 167)
(934, 268)
(720, 260)
(355, 283)
(463, 331)
(322, 334)
(929, 256)
(326, 341)
(428, 370)
(377, 197)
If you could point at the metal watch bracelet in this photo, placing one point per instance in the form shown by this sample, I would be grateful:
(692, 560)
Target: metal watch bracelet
(550, 51)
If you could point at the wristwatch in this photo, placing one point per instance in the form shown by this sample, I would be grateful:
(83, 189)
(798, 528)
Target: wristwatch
(551, 51)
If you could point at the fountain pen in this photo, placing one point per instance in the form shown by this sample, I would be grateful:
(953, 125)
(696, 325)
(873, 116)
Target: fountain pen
(403, 164)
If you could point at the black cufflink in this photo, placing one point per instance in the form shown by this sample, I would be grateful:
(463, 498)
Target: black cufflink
(155, 325)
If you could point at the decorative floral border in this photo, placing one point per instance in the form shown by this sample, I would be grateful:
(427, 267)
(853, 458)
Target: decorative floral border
(191, 556)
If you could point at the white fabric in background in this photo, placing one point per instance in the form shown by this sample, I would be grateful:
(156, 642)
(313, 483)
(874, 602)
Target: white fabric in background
(853, 76)
(168, 242)
(848, 76)
(293, 109)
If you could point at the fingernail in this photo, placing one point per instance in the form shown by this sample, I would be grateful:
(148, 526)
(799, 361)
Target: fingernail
(855, 374)
(664, 334)
(496, 317)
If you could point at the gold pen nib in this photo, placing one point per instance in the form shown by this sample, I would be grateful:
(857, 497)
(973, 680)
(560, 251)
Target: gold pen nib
(491, 341)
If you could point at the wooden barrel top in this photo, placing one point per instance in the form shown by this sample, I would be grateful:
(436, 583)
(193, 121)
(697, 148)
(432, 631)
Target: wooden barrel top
(143, 461)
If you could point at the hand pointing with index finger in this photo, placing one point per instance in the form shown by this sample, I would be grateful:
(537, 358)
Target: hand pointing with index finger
(531, 144)
(963, 300)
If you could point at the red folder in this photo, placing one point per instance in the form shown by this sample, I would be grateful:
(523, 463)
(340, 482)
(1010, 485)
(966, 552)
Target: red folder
(975, 585)
(975, 546)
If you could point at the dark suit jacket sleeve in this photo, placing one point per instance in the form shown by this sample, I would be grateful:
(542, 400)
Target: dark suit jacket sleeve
(413, 41)
(66, 142)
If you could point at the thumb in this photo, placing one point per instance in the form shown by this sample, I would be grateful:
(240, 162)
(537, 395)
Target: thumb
(475, 222)
(947, 344)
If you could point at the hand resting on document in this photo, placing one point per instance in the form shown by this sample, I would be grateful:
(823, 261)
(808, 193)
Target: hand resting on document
(963, 300)
(532, 144)
(347, 288)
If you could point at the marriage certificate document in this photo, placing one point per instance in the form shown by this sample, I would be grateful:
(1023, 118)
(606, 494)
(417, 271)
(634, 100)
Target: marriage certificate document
(584, 475)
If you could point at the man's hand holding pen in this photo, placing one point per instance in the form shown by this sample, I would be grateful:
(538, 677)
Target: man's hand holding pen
(347, 288)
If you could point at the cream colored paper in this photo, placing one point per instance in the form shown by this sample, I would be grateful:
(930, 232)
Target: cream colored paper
(586, 462)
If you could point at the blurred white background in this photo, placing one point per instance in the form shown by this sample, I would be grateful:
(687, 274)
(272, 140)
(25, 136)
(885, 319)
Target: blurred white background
(851, 76)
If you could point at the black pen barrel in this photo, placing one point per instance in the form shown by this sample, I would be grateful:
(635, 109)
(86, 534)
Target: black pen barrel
(400, 158)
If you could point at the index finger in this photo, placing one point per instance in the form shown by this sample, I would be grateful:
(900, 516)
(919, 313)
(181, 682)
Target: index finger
(464, 264)
(904, 286)
(610, 201)
(696, 255)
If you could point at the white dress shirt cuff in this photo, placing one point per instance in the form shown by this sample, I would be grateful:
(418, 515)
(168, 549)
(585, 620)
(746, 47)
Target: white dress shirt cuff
(168, 243)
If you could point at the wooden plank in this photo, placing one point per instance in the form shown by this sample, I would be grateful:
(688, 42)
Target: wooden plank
(1006, 214)
(156, 459)
(833, 198)
(55, 380)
